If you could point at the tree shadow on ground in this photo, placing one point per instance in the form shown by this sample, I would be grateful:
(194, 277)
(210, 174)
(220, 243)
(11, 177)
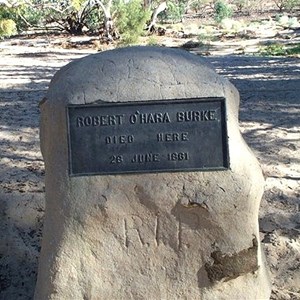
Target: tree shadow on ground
(33, 70)
(250, 73)
(22, 170)
(22, 193)
(57, 55)
(270, 97)
(22, 78)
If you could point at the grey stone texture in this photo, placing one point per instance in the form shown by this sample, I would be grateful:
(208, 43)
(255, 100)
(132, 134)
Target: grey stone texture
(184, 235)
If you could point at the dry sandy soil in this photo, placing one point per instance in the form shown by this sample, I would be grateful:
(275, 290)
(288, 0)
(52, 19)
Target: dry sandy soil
(269, 120)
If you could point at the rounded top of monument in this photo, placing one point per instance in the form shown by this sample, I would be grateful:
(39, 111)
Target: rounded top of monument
(137, 73)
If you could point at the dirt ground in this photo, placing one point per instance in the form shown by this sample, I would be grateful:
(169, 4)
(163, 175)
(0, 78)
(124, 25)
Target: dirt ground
(269, 120)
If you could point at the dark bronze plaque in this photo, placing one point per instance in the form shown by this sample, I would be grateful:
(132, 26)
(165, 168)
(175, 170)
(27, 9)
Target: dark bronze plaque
(143, 137)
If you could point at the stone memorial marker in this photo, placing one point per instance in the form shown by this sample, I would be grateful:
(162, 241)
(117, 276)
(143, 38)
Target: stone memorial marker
(151, 191)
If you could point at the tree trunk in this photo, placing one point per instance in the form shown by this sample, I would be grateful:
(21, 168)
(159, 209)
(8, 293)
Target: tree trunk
(160, 8)
(108, 22)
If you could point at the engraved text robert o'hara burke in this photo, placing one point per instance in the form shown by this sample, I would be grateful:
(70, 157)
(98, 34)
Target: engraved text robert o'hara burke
(153, 136)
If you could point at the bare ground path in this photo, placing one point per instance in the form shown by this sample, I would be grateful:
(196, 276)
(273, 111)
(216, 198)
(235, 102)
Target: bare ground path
(269, 120)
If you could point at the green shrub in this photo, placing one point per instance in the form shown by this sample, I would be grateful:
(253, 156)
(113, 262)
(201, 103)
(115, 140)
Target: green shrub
(32, 15)
(174, 12)
(7, 27)
(286, 21)
(287, 4)
(205, 38)
(241, 5)
(295, 50)
(280, 50)
(23, 16)
(199, 5)
(222, 11)
(245, 7)
(273, 50)
(292, 4)
(152, 41)
(131, 20)
(5, 15)
(94, 20)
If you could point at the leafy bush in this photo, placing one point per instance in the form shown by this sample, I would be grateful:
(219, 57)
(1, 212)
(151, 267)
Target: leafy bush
(230, 25)
(7, 14)
(152, 41)
(65, 15)
(241, 5)
(295, 50)
(7, 28)
(222, 11)
(34, 16)
(26, 14)
(205, 38)
(273, 50)
(286, 21)
(280, 50)
(131, 19)
(174, 12)
(245, 7)
(85, 15)
(199, 6)
(287, 4)
(23, 15)
(94, 20)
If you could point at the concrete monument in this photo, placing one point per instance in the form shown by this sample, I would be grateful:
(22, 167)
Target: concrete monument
(151, 191)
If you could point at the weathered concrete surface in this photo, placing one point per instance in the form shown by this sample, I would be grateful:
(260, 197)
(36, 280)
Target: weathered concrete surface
(153, 236)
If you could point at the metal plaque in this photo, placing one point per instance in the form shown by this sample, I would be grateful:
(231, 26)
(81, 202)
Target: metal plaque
(152, 136)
